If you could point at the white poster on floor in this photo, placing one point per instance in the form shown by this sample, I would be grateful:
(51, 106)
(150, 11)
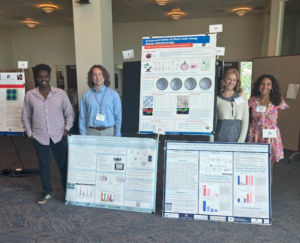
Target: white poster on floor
(112, 172)
(177, 90)
(218, 182)
(12, 93)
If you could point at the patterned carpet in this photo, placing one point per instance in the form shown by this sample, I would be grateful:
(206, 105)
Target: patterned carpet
(22, 220)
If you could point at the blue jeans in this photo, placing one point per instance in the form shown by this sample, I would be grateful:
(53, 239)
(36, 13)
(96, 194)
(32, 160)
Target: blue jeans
(60, 152)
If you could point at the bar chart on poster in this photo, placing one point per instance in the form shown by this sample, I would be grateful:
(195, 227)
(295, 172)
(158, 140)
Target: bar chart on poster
(112, 172)
(177, 89)
(12, 93)
(218, 182)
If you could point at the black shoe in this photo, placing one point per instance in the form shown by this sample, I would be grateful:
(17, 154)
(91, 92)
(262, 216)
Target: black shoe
(45, 196)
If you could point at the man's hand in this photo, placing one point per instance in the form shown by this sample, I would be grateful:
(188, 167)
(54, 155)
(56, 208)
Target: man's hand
(66, 132)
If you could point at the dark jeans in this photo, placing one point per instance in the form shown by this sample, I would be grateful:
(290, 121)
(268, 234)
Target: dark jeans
(60, 152)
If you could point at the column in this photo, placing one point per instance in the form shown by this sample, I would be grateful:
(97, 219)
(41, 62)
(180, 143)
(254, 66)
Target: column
(93, 39)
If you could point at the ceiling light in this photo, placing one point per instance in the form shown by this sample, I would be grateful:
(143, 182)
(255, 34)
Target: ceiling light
(48, 8)
(241, 11)
(30, 23)
(176, 13)
(161, 2)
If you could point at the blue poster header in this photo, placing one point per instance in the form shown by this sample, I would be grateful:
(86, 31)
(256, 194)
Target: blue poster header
(176, 40)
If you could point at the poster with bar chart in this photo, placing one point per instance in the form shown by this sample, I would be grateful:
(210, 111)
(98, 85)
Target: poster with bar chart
(177, 90)
(227, 182)
(12, 93)
(112, 172)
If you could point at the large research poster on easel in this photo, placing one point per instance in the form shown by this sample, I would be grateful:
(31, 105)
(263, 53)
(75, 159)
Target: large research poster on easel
(12, 93)
(218, 182)
(177, 90)
(112, 172)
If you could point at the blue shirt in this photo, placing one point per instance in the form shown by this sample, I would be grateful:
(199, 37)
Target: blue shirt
(110, 107)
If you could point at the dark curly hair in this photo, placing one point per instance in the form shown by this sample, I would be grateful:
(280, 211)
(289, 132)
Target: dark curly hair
(104, 73)
(42, 67)
(237, 87)
(275, 96)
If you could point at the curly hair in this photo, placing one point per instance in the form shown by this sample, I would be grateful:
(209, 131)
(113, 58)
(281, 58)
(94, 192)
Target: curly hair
(104, 73)
(237, 87)
(275, 96)
(42, 67)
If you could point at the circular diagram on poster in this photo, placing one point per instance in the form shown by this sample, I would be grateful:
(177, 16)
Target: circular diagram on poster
(176, 83)
(162, 84)
(184, 66)
(190, 83)
(205, 83)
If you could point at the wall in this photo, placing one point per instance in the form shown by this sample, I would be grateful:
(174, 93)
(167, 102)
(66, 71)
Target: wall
(50, 45)
(6, 53)
(241, 35)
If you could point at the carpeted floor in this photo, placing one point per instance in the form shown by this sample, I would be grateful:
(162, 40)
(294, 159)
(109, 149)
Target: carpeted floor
(22, 220)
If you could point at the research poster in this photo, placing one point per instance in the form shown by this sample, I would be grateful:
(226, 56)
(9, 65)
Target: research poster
(177, 87)
(112, 172)
(12, 93)
(217, 182)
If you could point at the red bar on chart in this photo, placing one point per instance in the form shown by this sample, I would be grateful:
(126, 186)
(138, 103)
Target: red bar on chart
(248, 198)
(251, 182)
(247, 182)
(204, 190)
(208, 192)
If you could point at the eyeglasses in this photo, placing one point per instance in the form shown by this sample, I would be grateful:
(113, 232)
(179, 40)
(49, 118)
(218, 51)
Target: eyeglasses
(229, 79)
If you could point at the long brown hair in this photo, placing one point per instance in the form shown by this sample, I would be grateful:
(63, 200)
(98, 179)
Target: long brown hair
(104, 73)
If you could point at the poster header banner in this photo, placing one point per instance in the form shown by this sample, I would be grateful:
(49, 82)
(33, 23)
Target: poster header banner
(175, 40)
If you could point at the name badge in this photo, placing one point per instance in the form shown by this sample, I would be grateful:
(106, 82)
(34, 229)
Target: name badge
(261, 108)
(158, 129)
(100, 117)
(239, 100)
(269, 133)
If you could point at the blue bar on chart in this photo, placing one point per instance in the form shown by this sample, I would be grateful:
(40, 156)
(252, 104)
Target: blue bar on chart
(249, 180)
(208, 209)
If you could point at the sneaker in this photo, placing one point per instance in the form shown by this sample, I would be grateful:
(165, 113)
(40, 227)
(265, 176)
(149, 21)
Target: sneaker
(45, 196)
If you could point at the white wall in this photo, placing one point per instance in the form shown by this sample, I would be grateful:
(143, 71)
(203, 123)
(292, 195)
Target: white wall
(241, 35)
(49, 45)
(6, 53)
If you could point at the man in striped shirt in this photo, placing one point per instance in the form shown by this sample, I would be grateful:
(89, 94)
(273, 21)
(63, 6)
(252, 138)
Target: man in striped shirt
(47, 116)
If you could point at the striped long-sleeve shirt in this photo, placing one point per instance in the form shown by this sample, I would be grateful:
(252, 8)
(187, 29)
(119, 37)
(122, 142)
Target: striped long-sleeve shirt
(46, 119)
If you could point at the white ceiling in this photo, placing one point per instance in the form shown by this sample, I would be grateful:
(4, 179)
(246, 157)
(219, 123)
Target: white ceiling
(14, 12)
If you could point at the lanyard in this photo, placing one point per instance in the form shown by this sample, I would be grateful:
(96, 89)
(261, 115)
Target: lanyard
(100, 104)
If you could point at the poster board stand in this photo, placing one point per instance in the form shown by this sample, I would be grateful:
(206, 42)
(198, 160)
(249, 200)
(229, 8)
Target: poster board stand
(12, 93)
